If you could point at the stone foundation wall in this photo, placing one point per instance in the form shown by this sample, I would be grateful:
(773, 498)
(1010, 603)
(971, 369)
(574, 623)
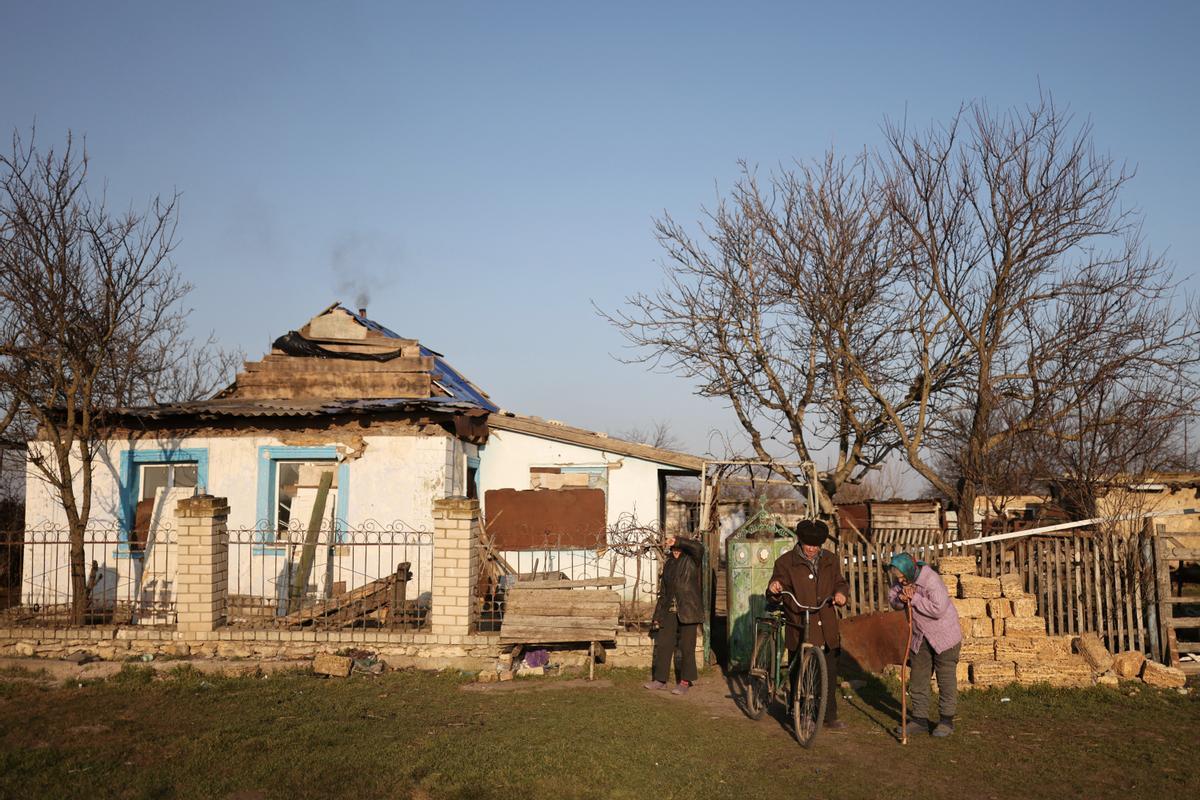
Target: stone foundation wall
(418, 650)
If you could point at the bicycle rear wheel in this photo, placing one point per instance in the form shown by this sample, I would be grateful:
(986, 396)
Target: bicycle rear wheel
(762, 670)
(808, 697)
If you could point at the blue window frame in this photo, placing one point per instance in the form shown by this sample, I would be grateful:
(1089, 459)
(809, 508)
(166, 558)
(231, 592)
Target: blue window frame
(130, 463)
(472, 488)
(269, 458)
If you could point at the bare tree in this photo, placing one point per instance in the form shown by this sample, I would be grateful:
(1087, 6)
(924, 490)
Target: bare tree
(760, 302)
(1022, 261)
(1114, 438)
(658, 434)
(90, 320)
(974, 297)
(885, 483)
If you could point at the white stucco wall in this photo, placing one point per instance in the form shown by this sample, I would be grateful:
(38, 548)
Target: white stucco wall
(505, 460)
(389, 491)
(396, 478)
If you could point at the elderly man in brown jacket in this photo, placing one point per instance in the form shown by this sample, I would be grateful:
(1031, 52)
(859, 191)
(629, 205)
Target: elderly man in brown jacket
(812, 575)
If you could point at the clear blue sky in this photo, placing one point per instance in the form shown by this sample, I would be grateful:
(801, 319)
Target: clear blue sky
(490, 169)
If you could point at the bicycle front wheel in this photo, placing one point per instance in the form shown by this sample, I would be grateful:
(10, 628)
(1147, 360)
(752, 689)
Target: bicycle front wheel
(762, 671)
(808, 699)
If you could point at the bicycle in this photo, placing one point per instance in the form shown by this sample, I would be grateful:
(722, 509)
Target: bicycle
(807, 676)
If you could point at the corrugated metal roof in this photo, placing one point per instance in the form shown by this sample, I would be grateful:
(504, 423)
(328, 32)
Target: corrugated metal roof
(557, 431)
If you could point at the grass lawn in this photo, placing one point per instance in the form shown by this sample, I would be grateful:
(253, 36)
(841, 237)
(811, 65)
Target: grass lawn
(422, 735)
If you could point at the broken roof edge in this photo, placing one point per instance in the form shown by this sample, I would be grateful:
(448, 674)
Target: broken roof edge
(559, 432)
(235, 407)
(457, 382)
(460, 386)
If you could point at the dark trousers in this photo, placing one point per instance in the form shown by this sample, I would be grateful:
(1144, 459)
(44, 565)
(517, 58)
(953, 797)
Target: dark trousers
(945, 665)
(675, 637)
(831, 685)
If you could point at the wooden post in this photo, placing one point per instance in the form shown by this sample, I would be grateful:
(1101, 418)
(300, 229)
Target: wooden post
(1085, 587)
(1150, 567)
(846, 557)
(1098, 586)
(1139, 619)
(1080, 594)
(1162, 553)
(309, 554)
(1114, 596)
(398, 613)
(1134, 631)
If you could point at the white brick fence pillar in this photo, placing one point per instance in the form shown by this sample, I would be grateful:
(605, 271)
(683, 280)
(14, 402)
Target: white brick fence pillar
(203, 559)
(455, 563)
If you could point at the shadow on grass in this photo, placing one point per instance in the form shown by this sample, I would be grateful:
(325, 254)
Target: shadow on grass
(874, 693)
(739, 692)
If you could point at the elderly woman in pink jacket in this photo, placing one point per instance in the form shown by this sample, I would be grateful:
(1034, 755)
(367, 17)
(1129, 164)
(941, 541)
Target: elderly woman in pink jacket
(935, 644)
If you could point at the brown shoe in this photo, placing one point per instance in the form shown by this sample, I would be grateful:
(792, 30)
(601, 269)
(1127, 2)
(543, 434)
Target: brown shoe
(835, 725)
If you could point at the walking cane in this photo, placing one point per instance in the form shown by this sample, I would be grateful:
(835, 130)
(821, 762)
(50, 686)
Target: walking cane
(904, 678)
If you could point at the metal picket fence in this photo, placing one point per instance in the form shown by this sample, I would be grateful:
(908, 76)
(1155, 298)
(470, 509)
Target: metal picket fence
(372, 575)
(125, 581)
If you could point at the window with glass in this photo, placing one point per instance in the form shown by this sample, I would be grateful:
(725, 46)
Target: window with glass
(153, 480)
(179, 475)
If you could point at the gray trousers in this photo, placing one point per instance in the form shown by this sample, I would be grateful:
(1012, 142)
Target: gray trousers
(945, 664)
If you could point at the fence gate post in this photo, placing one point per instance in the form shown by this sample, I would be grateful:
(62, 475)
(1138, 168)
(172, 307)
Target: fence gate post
(1148, 577)
(203, 559)
(1168, 652)
(455, 564)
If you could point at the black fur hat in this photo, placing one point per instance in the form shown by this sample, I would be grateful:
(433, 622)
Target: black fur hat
(812, 532)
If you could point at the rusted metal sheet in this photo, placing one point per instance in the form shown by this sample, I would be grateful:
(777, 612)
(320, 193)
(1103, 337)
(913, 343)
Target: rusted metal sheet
(521, 520)
(857, 514)
(874, 640)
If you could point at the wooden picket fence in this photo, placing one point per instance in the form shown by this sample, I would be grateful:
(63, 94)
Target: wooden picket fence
(1082, 581)
(909, 537)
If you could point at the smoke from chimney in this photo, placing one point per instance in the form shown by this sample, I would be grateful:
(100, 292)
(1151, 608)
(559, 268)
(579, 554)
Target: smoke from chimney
(362, 261)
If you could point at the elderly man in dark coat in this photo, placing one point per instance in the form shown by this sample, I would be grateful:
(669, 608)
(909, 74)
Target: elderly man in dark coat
(812, 575)
(677, 615)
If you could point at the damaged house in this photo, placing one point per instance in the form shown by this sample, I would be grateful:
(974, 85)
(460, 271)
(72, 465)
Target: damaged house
(353, 426)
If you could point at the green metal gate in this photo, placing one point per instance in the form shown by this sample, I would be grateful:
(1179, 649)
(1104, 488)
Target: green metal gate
(751, 552)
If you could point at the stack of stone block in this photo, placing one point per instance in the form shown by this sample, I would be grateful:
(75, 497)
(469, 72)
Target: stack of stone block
(1004, 639)
(1110, 670)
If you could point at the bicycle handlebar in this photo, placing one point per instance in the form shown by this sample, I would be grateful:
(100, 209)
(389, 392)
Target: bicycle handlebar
(796, 602)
